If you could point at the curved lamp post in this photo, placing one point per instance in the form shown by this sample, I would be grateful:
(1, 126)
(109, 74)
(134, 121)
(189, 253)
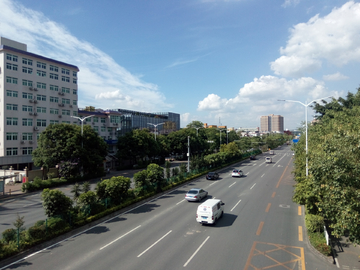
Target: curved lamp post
(155, 125)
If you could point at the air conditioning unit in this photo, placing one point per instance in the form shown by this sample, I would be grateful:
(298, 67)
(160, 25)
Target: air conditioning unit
(30, 113)
(35, 89)
(36, 128)
(35, 113)
(70, 106)
(31, 101)
(22, 142)
(61, 105)
(35, 101)
(115, 124)
(60, 116)
(30, 88)
(30, 142)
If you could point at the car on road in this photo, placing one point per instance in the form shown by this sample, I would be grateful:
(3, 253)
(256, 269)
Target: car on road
(268, 159)
(212, 176)
(237, 173)
(210, 211)
(252, 157)
(196, 195)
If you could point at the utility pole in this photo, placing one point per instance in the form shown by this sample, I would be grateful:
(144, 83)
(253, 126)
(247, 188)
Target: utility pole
(188, 167)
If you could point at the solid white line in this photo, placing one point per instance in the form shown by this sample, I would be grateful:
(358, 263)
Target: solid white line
(212, 183)
(192, 256)
(180, 201)
(120, 237)
(232, 184)
(253, 186)
(235, 206)
(262, 175)
(154, 244)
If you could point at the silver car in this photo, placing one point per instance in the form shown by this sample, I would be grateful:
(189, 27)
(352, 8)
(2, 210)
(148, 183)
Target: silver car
(195, 194)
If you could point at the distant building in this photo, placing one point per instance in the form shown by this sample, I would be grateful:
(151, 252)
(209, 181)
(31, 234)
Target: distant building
(272, 123)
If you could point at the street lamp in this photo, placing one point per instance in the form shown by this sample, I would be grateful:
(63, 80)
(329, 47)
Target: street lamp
(220, 135)
(155, 125)
(306, 126)
(82, 122)
(197, 131)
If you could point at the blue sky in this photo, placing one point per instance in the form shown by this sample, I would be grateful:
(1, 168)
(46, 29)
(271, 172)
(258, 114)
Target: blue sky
(215, 61)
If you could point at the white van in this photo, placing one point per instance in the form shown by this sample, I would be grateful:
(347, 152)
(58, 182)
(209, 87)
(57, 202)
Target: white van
(268, 159)
(210, 211)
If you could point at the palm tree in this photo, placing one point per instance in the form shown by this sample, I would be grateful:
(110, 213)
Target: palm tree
(86, 187)
(76, 189)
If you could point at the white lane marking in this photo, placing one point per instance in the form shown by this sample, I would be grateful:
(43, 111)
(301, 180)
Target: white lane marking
(232, 184)
(212, 184)
(120, 237)
(262, 175)
(192, 256)
(180, 201)
(235, 206)
(254, 164)
(253, 186)
(247, 174)
(154, 244)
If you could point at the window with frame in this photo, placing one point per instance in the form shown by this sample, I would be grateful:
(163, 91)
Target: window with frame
(102, 120)
(65, 90)
(11, 57)
(11, 121)
(74, 102)
(65, 112)
(54, 111)
(27, 136)
(41, 109)
(114, 118)
(26, 61)
(27, 122)
(27, 83)
(11, 66)
(54, 68)
(12, 151)
(65, 101)
(54, 76)
(41, 65)
(11, 136)
(26, 108)
(11, 80)
(41, 73)
(41, 97)
(54, 122)
(75, 81)
(10, 93)
(65, 79)
(88, 119)
(54, 99)
(103, 129)
(41, 122)
(75, 113)
(11, 107)
(96, 128)
(65, 71)
(54, 87)
(74, 74)
(74, 92)
(95, 119)
(41, 85)
(109, 129)
(27, 70)
(27, 150)
(27, 95)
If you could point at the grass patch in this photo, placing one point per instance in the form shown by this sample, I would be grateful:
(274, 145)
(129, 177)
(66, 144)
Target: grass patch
(318, 241)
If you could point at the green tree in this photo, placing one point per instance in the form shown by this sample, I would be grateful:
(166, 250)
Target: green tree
(155, 175)
(86, 186)
(116, 189)
(88, 198)
(76, 190)
(140, 179)
(195, 124)
(55, 202)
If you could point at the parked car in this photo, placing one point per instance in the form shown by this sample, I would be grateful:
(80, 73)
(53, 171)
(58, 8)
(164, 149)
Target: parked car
(212, 176)
(237, 173)
(252, 157)
(196, 194)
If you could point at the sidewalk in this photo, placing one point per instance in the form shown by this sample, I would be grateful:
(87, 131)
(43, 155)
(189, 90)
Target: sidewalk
(346, 253)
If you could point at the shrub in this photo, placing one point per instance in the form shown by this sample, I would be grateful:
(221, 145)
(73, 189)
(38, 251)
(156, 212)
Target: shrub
(314, 223)
(37, 232)
(56, 224)
(318, 241)
(9, 235)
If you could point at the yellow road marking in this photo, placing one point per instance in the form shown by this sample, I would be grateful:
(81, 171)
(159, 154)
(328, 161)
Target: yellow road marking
(299, 210)
(268, 207)
(273, 195)
(260, 228)
(300, 234)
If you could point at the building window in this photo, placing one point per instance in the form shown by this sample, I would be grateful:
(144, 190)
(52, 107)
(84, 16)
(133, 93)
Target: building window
(11, 121)
(10, 93)
(26, 136)
(12, 107)
(26, 61)
(41, 122)
(65, 101)
(96, 129)
(54, 122)
(114, 118)
(26, 108)
(74, 73)
(27, 122)
(41, 85)
(12, 151)
(54, 111)
(103, 129)
(27, 70)
(65, 90)
(65, 112)
(65, 71)
(27, 150)
(74, 92)
(41, 65)
(11, 80)
(75, 102)
(109, 129)
(54, 76)
(11, 136)
(54, 68)
(54, 88)
(41, 73)
(66, 122)
(65, 79)
(11, 57)
(103, 120)
(54, 99)
(75, 81)
(27, 83)
(11, 66)
(27, 95)
(41, 109)
(41, 97)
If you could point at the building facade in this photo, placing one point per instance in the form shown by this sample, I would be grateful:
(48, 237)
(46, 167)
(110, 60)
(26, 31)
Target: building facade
(35, 92)
(272, 123)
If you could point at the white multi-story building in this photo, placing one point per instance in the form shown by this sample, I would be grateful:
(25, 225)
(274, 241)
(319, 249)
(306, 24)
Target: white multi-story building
(35, 91)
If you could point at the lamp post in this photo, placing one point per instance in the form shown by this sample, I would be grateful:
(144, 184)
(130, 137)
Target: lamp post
(82, 123)
(155, 125)
(306, 126)
(197, 131)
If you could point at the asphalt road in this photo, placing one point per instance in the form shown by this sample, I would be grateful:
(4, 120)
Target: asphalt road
(261, 229)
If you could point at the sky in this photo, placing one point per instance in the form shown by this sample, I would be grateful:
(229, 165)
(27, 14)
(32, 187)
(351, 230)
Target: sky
(222, 62)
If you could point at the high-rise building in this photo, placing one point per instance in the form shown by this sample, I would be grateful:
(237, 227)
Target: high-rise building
(35, 91)
(272, 123)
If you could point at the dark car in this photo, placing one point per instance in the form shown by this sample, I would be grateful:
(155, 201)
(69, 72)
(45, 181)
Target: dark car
(212, 176)
(252, 157)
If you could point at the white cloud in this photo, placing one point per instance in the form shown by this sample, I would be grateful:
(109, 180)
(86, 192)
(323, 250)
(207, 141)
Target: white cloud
(335, 77)
(102, 82)
(288, 3)
(334, 38)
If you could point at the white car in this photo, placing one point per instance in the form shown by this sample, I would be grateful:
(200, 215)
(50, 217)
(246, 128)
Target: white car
(237, 173)
(196, 194)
